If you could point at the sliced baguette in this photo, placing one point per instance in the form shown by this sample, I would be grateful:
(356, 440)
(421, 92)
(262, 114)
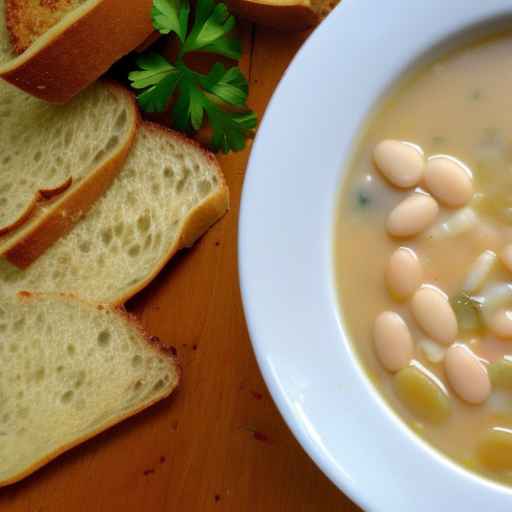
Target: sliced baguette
(29, 19)
(70, 43)
(69, 370)
(169, 193)
(70, 153)
(286, 15)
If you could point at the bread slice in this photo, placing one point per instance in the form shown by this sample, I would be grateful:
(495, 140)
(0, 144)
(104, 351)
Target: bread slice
(70, 153)
(286, 15)
(29, 19)
(169, 193)
(67, 44)
(69, 370)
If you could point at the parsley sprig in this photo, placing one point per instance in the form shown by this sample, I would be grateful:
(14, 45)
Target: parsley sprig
(219, 96)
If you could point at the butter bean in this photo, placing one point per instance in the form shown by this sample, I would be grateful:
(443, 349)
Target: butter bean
(422, 395)
(449, 181)
(495, 449)
(404, 273)
(401, 163)
(434, 314)
(412, 215)
(500, 373)
(467, 375)
(392, 340)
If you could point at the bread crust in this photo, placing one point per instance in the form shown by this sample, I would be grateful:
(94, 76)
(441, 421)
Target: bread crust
(26, 20)
(202, 217)
(48, 226)
(25, 215)
(40, 195)
(80, 48)
(286, 17)
(156, 345)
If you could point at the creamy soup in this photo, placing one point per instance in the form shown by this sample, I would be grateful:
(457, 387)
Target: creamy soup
(424, 254)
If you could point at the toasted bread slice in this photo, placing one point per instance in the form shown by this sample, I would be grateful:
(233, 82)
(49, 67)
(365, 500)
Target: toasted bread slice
(67, 44)
(169, 192)
(70, 369)
(287, 15)
(60, 158)
(29, 19)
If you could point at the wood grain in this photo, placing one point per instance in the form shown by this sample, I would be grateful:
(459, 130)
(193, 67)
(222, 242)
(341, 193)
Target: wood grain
(219, 442)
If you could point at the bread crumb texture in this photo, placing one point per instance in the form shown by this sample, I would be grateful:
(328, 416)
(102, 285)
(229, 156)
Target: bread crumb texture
(131, 228)
(42, 146)
(67, 371)
(29, 19)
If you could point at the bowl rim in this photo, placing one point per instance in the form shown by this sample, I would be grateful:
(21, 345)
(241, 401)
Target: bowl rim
(286, 257)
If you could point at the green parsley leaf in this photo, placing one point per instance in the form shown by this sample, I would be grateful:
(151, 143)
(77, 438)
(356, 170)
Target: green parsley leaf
(171, 16)
(209, 33)
(156, 98)
(219, 96)
(188, 113)
(181, 111)
(229, 86)
(158, 77)
(230, 129)
(154, 68)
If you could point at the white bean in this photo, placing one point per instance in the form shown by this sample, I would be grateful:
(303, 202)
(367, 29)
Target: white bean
(404, 273)
(479, 271)
(412, 215)
(467, 375)
(393, 342)
(500, 323)
(401, 163)
(449, 181)
(506, 257)
(434, 314)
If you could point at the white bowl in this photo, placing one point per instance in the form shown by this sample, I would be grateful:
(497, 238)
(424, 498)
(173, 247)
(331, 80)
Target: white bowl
(286, 253)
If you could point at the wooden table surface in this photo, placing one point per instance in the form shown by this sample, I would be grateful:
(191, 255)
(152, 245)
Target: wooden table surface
(219, 442)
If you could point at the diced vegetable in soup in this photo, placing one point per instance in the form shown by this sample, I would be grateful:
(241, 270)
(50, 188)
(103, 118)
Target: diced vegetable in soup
(424, 253)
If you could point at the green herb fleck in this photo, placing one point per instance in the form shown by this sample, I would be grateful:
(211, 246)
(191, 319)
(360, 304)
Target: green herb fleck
(219, 96)
(438, 140)
(363, 198)
(476, 95)
(158, 77)
(467, 311)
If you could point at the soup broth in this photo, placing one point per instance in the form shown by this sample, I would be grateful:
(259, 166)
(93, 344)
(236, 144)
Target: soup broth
(461, 106)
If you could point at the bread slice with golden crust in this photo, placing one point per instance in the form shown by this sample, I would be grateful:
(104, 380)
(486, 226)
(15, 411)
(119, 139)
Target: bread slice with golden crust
(70, 370)
(29, 19)
(286, 15)
(169, 192)
(68, 47)
(56, 160)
